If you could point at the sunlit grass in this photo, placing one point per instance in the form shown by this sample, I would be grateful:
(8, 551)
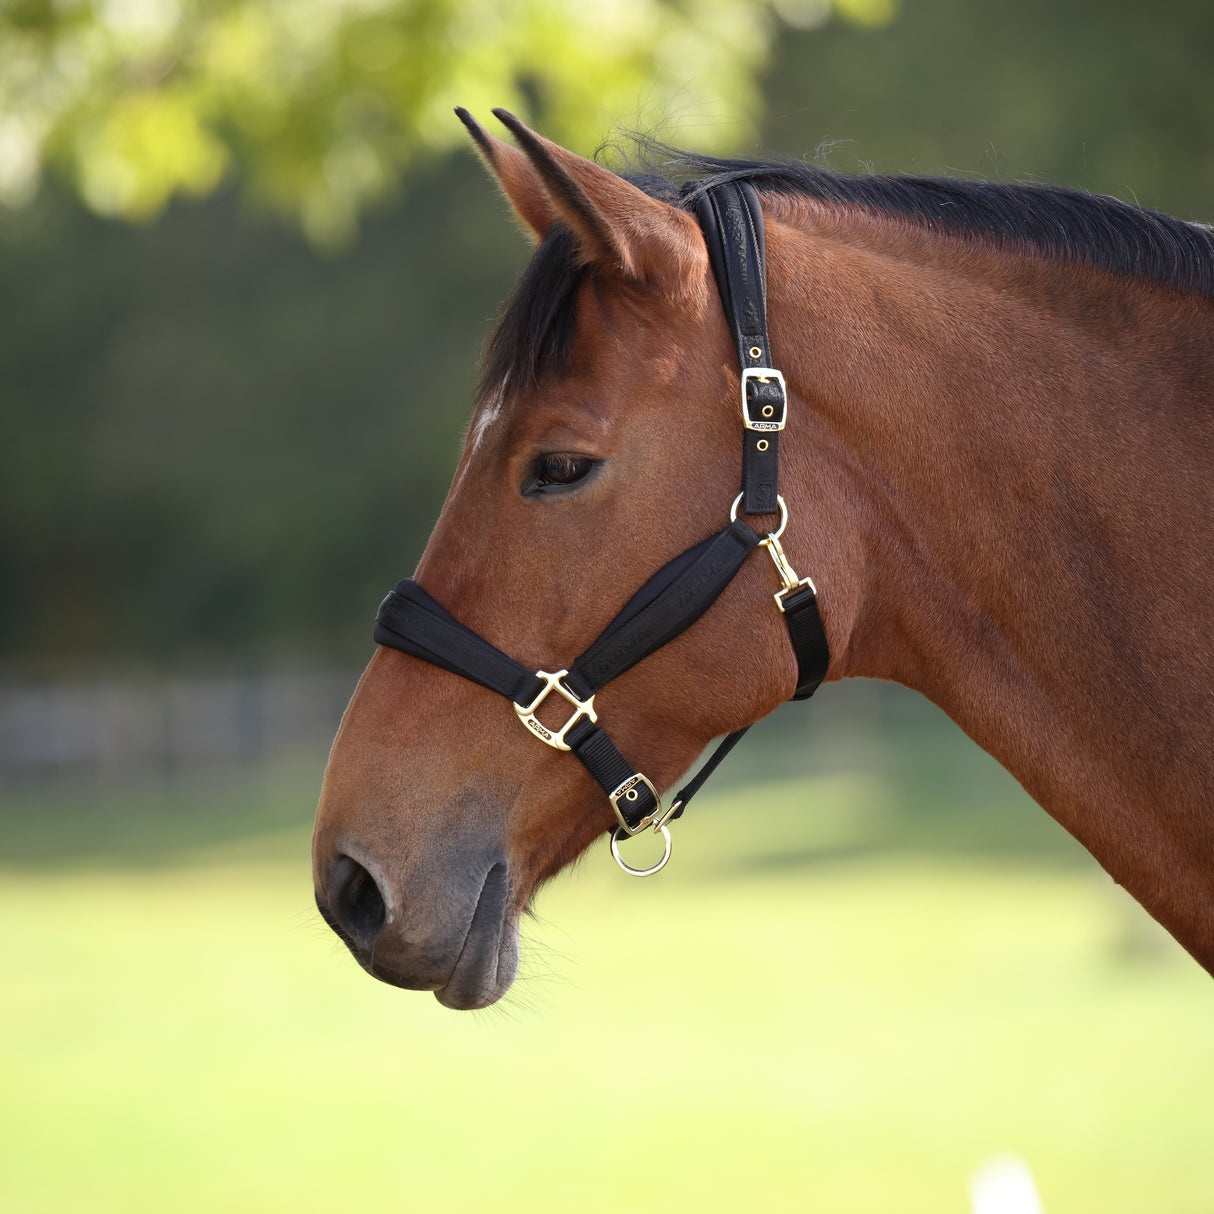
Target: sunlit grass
(845, 994)
(856, 1028)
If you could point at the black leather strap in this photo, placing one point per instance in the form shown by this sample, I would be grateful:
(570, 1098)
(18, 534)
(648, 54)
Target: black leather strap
(732, 220)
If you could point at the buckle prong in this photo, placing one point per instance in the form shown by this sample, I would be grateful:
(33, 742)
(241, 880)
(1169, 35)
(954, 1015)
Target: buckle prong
(629, 790)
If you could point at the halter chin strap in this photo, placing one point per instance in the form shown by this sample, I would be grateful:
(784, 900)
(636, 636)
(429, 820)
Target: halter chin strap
(681, 591)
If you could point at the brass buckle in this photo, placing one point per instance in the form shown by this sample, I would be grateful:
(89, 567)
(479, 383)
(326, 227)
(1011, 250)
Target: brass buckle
(765, 375)
(628, 791)
(582, 708)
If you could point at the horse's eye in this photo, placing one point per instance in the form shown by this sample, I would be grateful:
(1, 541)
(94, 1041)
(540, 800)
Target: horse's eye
(558, 471)
(561, 469)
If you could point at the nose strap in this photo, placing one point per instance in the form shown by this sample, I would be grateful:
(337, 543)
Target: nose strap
(668, 604)
(410, 620)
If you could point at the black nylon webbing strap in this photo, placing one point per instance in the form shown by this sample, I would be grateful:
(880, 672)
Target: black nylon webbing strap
(599, 756)
(663, 609)
(808, 637)
(683, 796)
(732, 220)
(667, 605)
(410, 620)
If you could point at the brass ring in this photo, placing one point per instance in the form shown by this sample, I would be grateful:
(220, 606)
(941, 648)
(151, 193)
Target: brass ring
(779, 531)
(639, 872)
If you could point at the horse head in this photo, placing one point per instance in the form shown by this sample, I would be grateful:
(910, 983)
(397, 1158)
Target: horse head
(604, 442)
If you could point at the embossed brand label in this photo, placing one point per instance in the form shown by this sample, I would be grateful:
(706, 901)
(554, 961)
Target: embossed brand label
(536, 728)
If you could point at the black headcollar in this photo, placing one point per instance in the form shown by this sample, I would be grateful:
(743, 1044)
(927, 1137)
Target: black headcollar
(682, 590)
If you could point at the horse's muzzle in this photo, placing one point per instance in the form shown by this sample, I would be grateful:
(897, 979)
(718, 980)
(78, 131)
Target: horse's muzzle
(468, 960)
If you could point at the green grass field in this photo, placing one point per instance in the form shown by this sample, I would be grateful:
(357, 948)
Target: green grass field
(848, 992)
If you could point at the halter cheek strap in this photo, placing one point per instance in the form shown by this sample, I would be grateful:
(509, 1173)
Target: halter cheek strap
(681, 591)
(732, 222)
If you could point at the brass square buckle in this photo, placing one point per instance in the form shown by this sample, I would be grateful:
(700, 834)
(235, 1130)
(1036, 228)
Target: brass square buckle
(769, 421)
(629, 791)
(582, 708)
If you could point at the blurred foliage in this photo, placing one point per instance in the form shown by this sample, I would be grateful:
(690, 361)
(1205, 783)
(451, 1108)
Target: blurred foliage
(321, 104)
(216, 440)
(1112, 96)
(211, 437)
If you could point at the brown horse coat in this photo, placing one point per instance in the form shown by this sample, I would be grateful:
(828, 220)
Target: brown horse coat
(999, 465)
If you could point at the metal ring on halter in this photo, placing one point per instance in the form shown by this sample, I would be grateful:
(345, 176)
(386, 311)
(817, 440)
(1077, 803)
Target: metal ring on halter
(779, 531)
(639, 872)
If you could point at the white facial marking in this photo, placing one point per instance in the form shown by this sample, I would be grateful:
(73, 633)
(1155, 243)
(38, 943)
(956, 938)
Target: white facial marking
(491, 410)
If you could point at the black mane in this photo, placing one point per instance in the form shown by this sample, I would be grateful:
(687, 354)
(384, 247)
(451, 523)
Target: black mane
(535, 331)
(1051, 222)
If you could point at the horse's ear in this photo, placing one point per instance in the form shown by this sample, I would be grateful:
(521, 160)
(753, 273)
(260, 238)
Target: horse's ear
(519, 181)
(618, 226)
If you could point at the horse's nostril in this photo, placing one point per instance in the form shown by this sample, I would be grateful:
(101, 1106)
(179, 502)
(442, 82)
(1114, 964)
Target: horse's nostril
(355, 901)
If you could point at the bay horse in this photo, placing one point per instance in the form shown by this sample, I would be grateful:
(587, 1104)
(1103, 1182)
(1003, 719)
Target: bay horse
(998, 469)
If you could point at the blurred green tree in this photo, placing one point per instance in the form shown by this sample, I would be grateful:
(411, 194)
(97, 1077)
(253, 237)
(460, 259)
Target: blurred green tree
(211, 438)
(1113, 96)
(321, 105)
(215, 441)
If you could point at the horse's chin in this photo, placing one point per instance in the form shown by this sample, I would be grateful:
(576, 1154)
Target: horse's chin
(485, 970)
(488, 958)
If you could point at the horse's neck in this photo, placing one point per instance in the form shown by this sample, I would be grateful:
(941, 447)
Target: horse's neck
(1029, 452)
